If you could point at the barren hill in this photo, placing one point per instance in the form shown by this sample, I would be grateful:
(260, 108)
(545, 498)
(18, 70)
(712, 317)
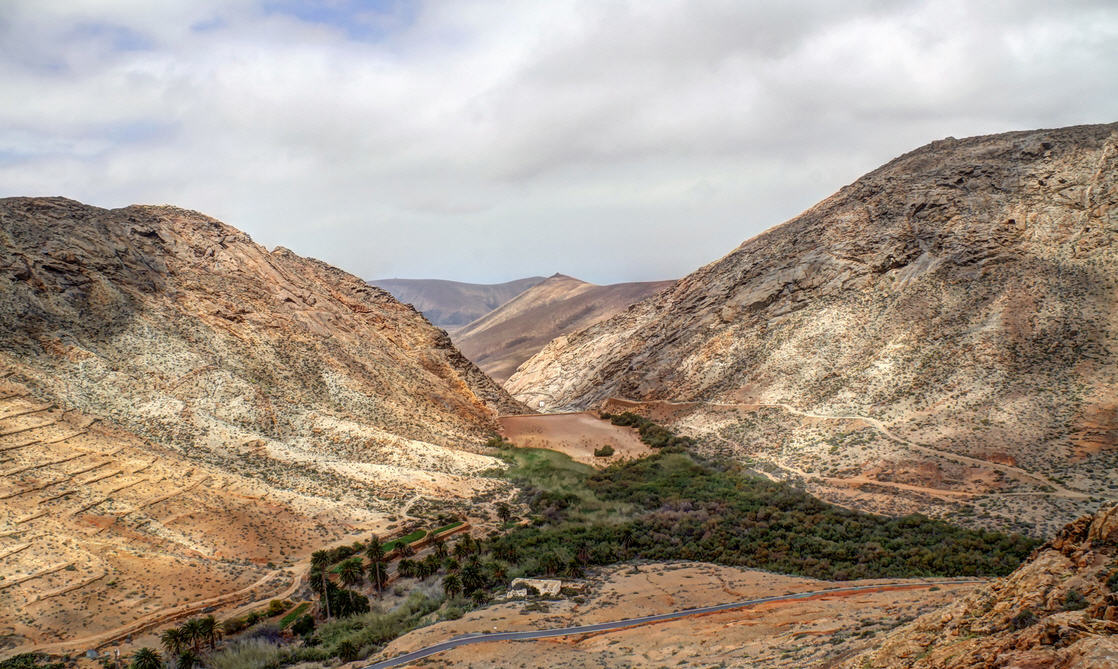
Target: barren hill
(943, 328)
(452, 304)
(502, 339)
(1059, 609)
(179, 404)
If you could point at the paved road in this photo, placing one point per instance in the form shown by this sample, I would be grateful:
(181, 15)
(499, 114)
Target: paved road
(468, 639)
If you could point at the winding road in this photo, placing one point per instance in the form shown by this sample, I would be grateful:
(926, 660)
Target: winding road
(483, 637)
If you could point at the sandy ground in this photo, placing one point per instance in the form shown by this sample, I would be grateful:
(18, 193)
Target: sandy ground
(802, 633)
(575, 434)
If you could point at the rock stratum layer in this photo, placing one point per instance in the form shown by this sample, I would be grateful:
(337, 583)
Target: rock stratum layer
(1059, 610)
(179, 405)
(953, 308)
(510, 334)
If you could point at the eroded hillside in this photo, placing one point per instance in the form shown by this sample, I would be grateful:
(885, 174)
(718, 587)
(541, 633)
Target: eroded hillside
(246, 407)
(947, 322)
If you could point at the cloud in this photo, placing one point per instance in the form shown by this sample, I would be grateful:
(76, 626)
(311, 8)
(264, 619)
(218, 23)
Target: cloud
(486, 140)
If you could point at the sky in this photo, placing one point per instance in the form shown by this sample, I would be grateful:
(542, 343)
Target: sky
(487, 141)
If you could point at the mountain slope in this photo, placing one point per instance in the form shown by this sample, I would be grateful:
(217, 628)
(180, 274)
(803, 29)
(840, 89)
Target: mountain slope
(1059, 610)
(507, 336)
(452, 304)
(180, 405)
(962, 295)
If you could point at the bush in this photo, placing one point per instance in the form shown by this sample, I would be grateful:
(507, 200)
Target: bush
(656, 436)
(1024, 619)
(249, 654)
(1074, 601)
(1112, 580)
(604, 451)
(303, 626)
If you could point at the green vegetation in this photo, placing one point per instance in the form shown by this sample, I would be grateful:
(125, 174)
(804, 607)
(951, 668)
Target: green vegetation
(653, 434)
(679, 506)
(447, 528)
(406, 539)
(293, 614)
(30, 661)
(669, 506)
(604, 451)
(1074, 601)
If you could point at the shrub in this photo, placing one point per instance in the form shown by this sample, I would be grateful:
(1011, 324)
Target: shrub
(303, 626)
(1074, 601)
(604, 451)
(248, 654)
(1024, 619)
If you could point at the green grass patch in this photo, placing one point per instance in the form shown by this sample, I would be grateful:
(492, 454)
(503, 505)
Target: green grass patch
(406, 539)
(447, 528)
(293, 614)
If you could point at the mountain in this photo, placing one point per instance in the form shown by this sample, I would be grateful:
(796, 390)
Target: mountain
(930, 338)
(450, 304)
(185, 415)
(1059, 609)
(507, 336)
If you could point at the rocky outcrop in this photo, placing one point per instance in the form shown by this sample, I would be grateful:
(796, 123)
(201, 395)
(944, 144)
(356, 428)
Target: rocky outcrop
(507, 336)
(181, 329)
(1059, 609)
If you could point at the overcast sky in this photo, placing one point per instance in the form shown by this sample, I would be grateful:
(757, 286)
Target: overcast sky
(485, 141)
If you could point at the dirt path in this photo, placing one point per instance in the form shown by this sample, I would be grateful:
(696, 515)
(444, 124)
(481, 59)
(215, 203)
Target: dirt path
(1057, 490)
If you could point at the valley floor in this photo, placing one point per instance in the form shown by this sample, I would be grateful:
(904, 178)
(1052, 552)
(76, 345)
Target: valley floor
(810, 632)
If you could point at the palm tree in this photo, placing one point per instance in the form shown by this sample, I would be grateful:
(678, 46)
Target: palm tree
(375, 550)
(452, 585)
(210, 630)
(378, 574)
(146, 658)
(406, 550)
(320, 560)
(352, 572)
(461, 549)
(193, 632)
(439, 544)
(405, 568)
(472, 578)
(188, 660)
(173, 641)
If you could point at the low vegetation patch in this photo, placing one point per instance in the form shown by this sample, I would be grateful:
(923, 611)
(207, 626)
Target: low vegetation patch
(676, 505)
(653, 434)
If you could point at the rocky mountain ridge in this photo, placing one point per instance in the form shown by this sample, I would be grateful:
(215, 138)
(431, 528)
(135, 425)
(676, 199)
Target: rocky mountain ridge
(962, 295)
(510, 334)
(454, 304)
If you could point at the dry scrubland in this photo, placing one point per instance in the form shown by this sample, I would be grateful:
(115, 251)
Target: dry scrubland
(961, 297)
(230, 407)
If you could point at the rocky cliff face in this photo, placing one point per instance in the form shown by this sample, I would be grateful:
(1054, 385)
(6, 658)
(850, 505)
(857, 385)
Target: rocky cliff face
(1059, 610)
(181, 329)
(963, 295)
